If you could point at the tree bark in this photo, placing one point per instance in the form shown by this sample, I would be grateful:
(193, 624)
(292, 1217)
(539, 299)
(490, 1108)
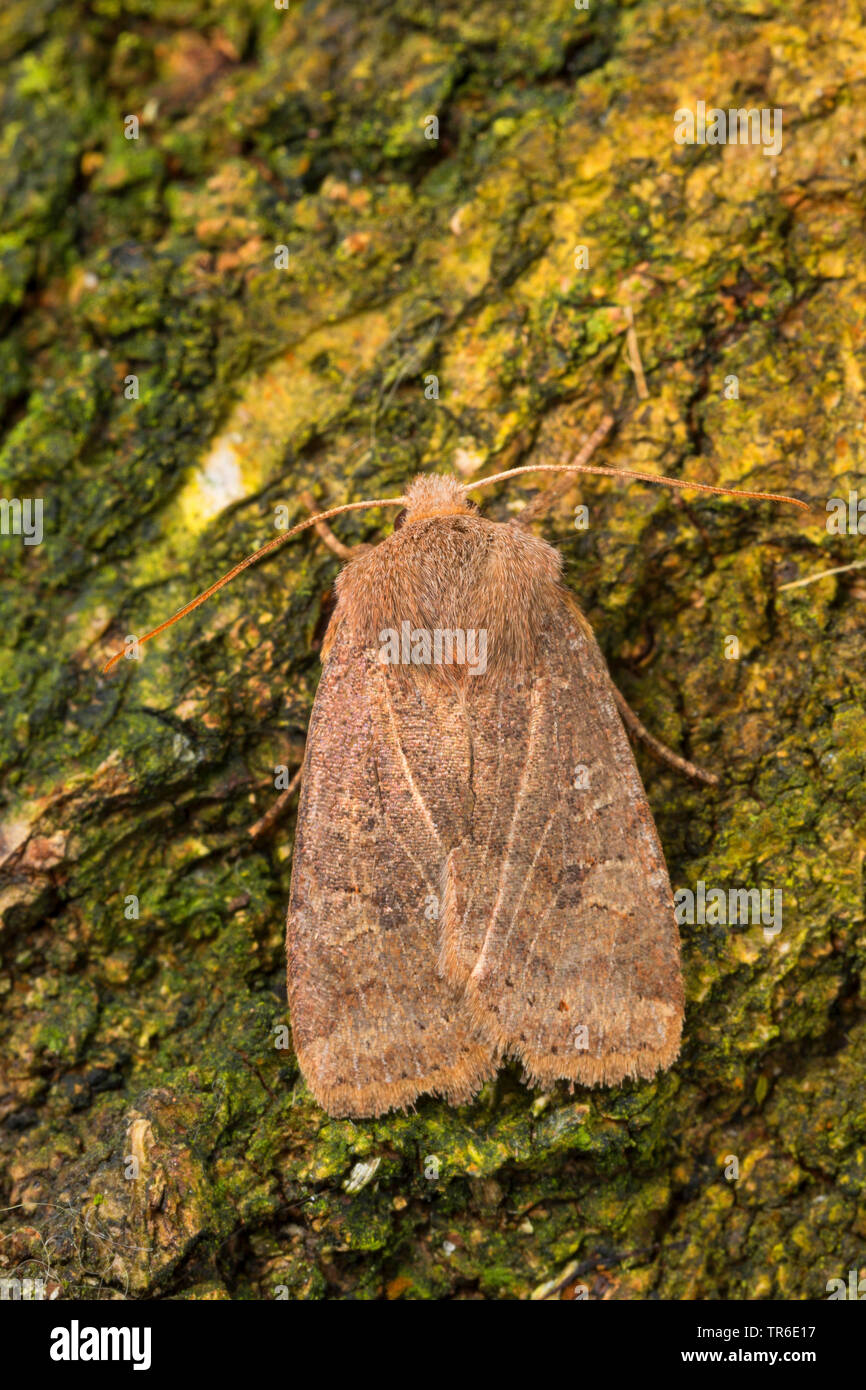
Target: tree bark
(341, 246)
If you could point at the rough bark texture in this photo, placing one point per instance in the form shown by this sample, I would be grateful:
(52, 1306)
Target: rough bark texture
(157, 1038)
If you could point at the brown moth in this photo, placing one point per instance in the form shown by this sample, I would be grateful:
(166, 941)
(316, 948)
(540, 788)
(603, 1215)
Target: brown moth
(476, 870)
(476, 873)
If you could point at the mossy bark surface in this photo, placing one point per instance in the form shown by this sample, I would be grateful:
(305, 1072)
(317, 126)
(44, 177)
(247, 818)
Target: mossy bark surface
(151, 1045)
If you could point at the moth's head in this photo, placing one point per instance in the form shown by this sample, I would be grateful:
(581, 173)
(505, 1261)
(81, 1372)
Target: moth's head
(434, 494)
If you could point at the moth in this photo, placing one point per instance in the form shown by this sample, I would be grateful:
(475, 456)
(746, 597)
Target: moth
(477, 874)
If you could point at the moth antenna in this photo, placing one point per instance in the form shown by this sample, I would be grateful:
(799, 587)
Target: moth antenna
(636, 477)
(251, 560)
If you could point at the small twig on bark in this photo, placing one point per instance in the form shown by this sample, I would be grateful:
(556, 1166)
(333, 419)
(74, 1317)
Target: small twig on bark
(270, 818)
(823, 574)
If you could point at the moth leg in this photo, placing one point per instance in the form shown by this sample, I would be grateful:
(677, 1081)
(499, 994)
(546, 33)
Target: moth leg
(270, 818)
(661, 750)
(326, 535)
